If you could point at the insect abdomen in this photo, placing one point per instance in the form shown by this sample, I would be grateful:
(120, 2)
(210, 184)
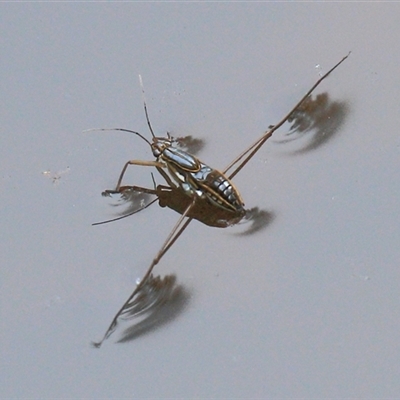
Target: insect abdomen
(219, 189)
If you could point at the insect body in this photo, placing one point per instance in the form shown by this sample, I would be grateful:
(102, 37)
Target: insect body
(207, 188)
(196, 178)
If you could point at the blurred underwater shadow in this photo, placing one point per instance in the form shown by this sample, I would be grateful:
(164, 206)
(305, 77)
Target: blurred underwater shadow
(318, 119)
(190, 144)
(159, 302)
(259, 220)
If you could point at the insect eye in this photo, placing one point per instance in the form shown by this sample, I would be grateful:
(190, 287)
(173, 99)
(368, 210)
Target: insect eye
(157, 149)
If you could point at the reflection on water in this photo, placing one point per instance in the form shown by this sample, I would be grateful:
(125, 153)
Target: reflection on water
(135, 200)
(202, 210)
(259, 220)
(155, 301)
(159, 302)
(320, 117)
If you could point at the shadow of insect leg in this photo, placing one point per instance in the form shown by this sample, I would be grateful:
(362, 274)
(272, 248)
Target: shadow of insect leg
(250, 151)
(177, 230)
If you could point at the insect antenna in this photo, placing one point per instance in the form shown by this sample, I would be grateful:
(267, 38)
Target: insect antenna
(145, 107)
(118, 129)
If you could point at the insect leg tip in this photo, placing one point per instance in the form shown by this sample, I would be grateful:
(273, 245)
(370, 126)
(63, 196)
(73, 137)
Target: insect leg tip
(96, 345)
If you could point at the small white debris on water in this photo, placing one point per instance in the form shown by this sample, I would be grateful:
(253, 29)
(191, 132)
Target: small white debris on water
(362, 277)
(55, 176)
(319, 69)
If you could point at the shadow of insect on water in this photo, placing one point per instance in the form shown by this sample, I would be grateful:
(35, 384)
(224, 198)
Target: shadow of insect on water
(195, 191)
(159, 302)
(317, 120)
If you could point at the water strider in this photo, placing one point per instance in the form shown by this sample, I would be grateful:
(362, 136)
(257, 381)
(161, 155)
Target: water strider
(199, 190)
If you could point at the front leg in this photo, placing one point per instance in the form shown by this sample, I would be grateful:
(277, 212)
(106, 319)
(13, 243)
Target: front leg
(156, 164)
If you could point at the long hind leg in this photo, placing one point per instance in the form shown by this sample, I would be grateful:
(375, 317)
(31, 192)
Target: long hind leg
(250, 151)
(176, 231)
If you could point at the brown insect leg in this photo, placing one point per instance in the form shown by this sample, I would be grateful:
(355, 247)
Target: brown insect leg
(137, 162)
(172, 237)
(257, 145)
